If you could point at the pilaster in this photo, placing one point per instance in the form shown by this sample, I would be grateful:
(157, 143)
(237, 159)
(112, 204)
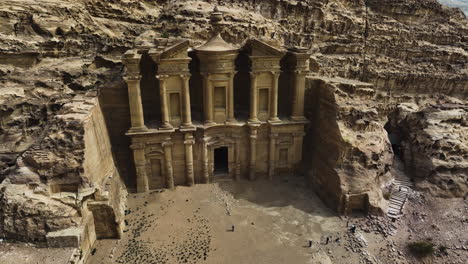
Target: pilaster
(231, 118)
(206, 173)
(272, 156)
(187, 115)
(301, 69)
(168, 160)
(253, 153)
(189, 142)
(238, 159)
(298, 100)
(274, 99)
(140, 165)
(132, 77)
(208, 102)
(164, 105)
(253, 98)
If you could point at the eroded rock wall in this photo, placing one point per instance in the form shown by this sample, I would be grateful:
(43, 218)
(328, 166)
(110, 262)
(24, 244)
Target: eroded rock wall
(347, 147)
(65, 190)
(434, 145)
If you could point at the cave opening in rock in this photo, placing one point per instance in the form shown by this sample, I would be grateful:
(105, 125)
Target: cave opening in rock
(395, 138)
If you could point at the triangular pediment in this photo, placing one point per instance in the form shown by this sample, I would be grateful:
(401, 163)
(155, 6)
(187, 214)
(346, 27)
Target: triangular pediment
(263, 49)
(169, 49)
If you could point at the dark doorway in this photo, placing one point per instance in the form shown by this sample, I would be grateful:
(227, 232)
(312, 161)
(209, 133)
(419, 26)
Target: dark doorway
(221, 160)
(394, 138)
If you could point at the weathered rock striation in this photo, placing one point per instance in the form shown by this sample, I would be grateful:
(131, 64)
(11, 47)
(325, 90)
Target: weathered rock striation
(434, 145)
(347, 148)
(61, 174)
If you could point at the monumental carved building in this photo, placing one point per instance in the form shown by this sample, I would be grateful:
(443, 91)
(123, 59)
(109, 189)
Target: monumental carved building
(214, 111)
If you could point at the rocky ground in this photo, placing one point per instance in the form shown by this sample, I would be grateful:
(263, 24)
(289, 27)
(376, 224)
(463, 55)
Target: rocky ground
(273, 223)
(14, 253)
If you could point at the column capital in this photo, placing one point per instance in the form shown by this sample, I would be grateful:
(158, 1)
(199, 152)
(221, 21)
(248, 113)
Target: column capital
(301, 72)
(253, 74)
(131, 77)
(162, 77)
(167, 144)
(189, 142)
(131, 60)
(205, 139)
(275, 73)
(185, 76)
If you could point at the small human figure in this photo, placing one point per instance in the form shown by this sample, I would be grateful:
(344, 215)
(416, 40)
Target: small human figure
(310, 243)
(328, 240)
(353, 229)
(337, 240)
(232, 228)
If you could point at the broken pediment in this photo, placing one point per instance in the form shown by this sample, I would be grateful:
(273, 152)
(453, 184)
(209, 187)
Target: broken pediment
(169, 49)
(263, 48)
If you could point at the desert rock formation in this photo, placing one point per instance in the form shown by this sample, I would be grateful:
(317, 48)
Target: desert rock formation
(434, 145)
(347, 145)
(63, 100)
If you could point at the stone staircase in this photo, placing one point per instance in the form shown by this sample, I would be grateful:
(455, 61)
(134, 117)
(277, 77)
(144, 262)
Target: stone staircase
(400, 190)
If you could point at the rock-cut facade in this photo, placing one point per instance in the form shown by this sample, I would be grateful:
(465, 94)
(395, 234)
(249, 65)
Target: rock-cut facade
(215, 111)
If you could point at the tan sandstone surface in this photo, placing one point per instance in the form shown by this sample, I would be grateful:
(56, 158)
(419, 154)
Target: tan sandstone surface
(64, 156)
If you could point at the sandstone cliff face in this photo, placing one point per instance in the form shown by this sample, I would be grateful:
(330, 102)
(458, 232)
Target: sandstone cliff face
(57, 56)
(434, 145)
(348, 148)
(65, 187)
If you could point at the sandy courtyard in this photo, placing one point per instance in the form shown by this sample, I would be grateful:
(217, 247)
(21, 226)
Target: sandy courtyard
(273, 222)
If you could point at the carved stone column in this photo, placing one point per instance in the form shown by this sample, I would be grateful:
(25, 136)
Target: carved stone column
(190, 180)
(168, 160)
(272, 156)
(208, 100)
(164, 105)
(206, 172)
(253, 98)
(136, 107)
(238, 159)
(231, 117)
(187, 122)
(253, 153)
(274, 99)
(131, 60)
(298, 100)
(140, 165)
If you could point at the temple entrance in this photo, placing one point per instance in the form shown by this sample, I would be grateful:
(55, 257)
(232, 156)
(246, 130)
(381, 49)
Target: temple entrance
(221, 161)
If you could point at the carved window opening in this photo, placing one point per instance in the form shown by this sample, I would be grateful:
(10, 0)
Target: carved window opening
(263, 100)
(220, 97)
(174, 99)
